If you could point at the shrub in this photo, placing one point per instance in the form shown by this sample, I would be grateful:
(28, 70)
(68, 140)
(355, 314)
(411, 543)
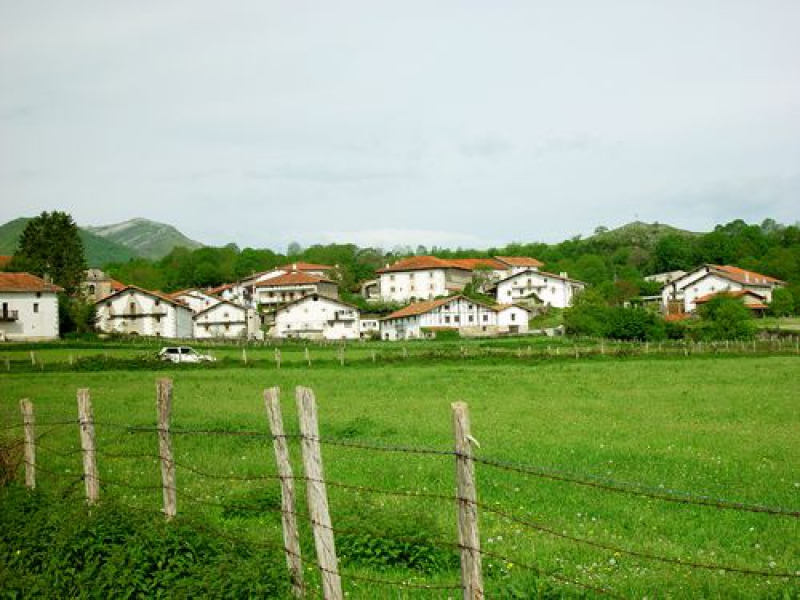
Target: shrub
(726, 318)
(635, 324)
(783, 303)
(51, 548)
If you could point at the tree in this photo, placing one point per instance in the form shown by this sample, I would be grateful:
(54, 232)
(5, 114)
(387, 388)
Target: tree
(51, 245)
(783, 303)
(294, 249)
(726, 318)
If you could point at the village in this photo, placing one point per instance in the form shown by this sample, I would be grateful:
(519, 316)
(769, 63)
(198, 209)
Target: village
(302, 300)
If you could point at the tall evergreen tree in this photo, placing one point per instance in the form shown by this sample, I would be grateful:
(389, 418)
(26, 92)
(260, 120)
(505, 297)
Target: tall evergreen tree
(51, 245)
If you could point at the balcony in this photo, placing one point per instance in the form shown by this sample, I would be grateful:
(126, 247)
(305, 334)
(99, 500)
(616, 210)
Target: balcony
(136, 315)
(9, 316)
(344, 315)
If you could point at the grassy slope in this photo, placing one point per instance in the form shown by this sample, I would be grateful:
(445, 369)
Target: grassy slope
(99, 251)
(725, 427)
(148, 238)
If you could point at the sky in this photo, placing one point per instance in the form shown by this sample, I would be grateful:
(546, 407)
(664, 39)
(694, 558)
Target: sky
(464, 123)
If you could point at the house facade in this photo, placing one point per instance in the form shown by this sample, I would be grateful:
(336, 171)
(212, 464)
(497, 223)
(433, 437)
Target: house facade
(681, 295)
(276, 291)
(750, 299)
(228, 320)
(196, 299)
(136, 311)
(28, 308)
(469, 317)
(537, 287)
(317, 317)
(246, 290)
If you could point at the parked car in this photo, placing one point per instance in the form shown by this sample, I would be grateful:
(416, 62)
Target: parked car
(184, 354)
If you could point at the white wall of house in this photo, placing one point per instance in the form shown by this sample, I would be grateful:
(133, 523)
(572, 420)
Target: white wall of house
(226, 320)
(134, 311)
(512, 319)
(369, 326)
(268, 296)
(552, 290)
(405, 286)
(28, 316)
(317, 317)
(197, 300)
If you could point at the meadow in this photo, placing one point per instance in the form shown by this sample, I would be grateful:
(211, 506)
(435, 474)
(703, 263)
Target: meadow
(718, 426)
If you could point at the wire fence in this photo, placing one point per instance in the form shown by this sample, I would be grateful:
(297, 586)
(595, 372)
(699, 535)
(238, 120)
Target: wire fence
(38, 438)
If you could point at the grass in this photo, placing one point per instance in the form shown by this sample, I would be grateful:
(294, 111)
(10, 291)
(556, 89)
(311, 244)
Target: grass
(721, 426)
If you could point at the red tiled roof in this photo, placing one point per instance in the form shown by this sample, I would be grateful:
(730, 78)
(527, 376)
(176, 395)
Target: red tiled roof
(4, 261)
(744, 276)
(292, 278)
(474, 263)
(25, 282)
(419, 308)
(220, 288)
(419, 263)
(304, 266)
(155, 293)
(117, 285)
(520, 261)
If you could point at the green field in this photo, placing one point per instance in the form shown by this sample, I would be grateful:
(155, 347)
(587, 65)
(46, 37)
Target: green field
(725, 427)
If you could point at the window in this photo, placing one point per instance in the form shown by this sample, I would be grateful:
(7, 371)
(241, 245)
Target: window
(38, 294)
(485, 318)
(471, 318)
(391, 277)
(36, 307)
(91, 289)
(456, 319)
(158, 302)
(158, 319)
(447, 319)
(508, 293)
(513, 316)
(391, 289)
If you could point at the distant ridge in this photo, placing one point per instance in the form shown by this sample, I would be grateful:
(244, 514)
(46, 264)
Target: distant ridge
(99, 251)
(146, 238)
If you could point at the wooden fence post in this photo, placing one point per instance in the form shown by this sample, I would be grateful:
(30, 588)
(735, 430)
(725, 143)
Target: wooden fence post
(278, 357)
(28, 423)
(308, 356)
(291, 536)
(341, 356)
(468, 538)
(164, 408)
(318, 495)
(244, 355)
(86, 422)
(33, 359)
(373, 356)
(8, 364)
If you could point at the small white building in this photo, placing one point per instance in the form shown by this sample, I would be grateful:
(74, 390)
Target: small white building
(245, 290)
(228, 320)
(469, 317)
(136, 311)
(317, 317)
(28, 308)
(196, 299)
(538, 287)
(369, 326)
(681, 295)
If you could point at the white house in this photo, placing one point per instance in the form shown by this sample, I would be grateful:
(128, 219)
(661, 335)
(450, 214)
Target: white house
(292, 286)
(681, 295)
(428, 277)
(28, 308)
(196, 299)
(369, 325)
(136, 311)
(538, 287)
(469, 317)
(228, 320)
(246, 289)
(317, 317)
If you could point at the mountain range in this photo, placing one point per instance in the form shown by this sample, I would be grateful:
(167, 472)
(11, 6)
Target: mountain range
(119, 242)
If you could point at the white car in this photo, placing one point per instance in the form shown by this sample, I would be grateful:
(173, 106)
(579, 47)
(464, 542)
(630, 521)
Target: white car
(184, 354)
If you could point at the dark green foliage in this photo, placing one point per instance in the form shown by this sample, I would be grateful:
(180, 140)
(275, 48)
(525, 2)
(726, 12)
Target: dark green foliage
(725, 318)
(57, 548)
(51, 245)
(76, 316)
(592, 317)
(783, 303)
(394, 538)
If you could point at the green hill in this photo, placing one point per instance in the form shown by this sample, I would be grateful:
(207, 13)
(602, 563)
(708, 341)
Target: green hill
(99, 251)
(147, 238)
(638, 233)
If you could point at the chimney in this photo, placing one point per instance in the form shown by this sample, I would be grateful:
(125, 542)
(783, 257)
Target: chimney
(747, 277)
(564, 275)
(294, 266)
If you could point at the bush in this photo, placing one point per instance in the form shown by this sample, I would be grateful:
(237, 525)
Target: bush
(726, 318)
(783, 303)
(635, 324)
(50, 548)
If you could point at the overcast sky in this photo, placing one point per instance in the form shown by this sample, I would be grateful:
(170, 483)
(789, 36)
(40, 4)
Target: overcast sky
(448, 123)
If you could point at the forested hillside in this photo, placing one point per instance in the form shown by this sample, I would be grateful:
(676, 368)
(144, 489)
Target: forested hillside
(615, 261)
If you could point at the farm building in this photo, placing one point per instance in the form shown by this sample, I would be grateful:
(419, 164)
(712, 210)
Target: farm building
(537, 287)
(28, 308)
(681, 295)
(292, 286)
(469, 317)
(246, 290)
(317, 317)
(228, 320)
(136, 311)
